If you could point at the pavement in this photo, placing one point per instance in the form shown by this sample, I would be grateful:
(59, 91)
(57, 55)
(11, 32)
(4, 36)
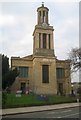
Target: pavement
(13, 111)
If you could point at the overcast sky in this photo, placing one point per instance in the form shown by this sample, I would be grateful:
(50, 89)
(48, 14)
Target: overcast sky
(18, 19)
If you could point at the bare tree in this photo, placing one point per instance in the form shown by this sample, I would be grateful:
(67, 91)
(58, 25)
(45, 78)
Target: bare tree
(75, 57)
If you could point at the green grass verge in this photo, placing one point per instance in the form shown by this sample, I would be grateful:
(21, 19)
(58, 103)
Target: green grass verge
(31, 100)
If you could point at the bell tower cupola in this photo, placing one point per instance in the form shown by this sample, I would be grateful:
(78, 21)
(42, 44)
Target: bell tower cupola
(43, 44)
(42, 13)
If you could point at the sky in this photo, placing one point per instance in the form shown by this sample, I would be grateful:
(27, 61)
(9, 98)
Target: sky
(18, 20)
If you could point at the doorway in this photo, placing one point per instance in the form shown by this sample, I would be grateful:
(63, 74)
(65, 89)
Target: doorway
(23, 87)
(60, 88)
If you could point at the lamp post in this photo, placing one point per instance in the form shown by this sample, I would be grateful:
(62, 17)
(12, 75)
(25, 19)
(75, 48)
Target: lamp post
(28, 86)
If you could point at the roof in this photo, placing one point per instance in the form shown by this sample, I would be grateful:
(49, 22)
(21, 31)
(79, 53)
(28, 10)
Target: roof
(28, 57)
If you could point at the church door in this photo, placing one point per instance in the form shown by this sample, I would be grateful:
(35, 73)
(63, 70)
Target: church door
(23, 88)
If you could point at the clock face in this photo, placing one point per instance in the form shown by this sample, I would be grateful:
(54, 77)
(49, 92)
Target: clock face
(44, 25)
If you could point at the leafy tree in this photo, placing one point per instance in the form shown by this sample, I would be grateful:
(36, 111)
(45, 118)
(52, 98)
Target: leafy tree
(5, 69)
(75, 57)
(0, 72)
(9, 78)
(5, 65)
(8, 75)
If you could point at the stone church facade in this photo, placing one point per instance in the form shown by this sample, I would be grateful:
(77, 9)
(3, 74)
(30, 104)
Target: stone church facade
(42, 72)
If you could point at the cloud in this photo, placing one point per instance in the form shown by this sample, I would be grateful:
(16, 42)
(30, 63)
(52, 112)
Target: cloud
(65, 19)
(40, 1)
(18, 21)
(16, 37)
(7, 20)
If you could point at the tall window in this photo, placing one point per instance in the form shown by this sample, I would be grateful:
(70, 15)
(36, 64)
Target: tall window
(39, 40)
(44, 40)
(49, 40)
(45, 73)
(60, 73)
(23, 72)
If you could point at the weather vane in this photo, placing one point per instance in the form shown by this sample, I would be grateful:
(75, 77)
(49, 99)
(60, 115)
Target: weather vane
(42, 3)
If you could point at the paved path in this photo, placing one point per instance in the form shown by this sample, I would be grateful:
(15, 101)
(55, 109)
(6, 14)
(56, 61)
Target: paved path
(37, 108)
(59, 113)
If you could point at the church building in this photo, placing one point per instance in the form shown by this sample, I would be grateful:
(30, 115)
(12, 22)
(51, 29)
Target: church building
(42, 72)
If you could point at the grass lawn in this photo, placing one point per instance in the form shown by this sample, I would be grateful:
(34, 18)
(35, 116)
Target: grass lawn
(33, 100)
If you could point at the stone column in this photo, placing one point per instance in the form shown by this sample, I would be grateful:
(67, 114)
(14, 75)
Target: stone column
(41, 40)
(37, 40)
(51, 43)
(47, 41)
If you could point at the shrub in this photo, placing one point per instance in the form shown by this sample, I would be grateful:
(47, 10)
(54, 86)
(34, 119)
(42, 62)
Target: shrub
(4, 98)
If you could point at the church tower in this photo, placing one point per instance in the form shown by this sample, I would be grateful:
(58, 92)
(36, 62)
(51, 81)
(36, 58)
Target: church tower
(44, 61)
(43, 34)
(42, 72)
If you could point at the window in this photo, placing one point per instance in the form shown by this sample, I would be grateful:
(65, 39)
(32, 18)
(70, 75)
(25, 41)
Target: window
(39, 40)
(60, 73)
(49, 40)
(39, 13)
(23, 72)
(44, 40)
(45, 73)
